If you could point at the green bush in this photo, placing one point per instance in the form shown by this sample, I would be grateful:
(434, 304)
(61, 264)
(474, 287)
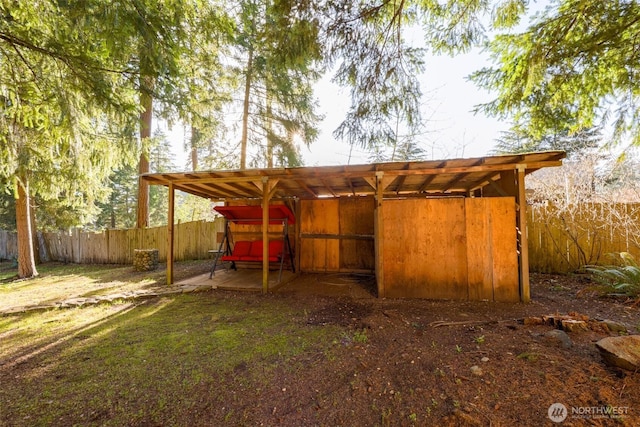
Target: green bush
(623, 278)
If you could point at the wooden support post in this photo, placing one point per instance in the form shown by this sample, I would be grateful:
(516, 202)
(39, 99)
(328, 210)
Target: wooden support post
(265, 235)
(525, 294)
(170, 218)
(298, 236)
(378, 234)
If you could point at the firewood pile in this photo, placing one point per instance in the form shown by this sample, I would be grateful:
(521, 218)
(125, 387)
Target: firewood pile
(145, 259)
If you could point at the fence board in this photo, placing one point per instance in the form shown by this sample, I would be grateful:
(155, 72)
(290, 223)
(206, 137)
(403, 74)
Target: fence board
(116, 246)
(563, 239)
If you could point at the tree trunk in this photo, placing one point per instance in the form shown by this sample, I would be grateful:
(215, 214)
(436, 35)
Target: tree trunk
(26, 260)
(269, 131)
(146, 102)
(34, 231)
(245, 112)
(195, 139)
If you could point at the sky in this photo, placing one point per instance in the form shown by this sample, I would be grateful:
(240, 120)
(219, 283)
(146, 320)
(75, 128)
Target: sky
(454, 130)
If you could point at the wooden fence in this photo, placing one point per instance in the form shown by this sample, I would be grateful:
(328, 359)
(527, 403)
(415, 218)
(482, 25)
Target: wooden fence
(561, 239)
(192, 240)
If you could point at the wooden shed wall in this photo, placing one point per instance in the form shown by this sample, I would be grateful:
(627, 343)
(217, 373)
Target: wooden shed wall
(450, 249)
(337, 235)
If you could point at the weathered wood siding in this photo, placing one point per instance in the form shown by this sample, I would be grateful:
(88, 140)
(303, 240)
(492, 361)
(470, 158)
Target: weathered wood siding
(450, 248)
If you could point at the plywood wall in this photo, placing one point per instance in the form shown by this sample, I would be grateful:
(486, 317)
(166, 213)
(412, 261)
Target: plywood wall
(337, 235)
(492, 261)
(450, 248)
(356, 229)
(424, 248)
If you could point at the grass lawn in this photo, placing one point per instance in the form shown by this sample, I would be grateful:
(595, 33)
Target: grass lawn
(58, 281)
(149, 362)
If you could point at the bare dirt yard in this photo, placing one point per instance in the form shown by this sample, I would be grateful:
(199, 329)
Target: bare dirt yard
(304, 357)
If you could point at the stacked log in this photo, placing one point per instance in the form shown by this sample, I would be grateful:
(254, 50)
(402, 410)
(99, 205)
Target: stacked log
(145, 259)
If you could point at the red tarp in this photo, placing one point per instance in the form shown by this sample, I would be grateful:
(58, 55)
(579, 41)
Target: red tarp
(253, 214)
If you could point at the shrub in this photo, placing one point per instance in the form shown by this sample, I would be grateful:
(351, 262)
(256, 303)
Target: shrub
(619, 279)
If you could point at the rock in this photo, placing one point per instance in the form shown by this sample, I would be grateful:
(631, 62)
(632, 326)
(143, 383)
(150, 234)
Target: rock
(614, 326)
(558, 338)
(476, 370)
(484, 359)
(622, 352)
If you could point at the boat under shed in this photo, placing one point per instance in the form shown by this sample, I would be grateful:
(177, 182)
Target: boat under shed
(440, 229)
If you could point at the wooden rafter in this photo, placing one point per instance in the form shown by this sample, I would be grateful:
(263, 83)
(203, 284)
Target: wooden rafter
(302, 184)
(402, 179)
(429, 179)
(459, 177)
(328, 187)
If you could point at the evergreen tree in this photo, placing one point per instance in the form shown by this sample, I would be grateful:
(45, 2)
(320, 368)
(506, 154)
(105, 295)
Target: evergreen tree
(65, 104)
(518, 140)
(160, 160)
(277, 48)
(119, 210)
(575, 67)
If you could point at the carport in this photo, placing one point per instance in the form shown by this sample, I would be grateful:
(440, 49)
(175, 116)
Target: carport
(444, 229)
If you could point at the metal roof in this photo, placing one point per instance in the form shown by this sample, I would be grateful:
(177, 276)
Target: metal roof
(434, 177)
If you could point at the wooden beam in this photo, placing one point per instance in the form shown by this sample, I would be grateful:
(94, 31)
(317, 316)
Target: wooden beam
(344, 174)
(371, 181)
(497, 188)
(308, 189)
(521, 200)
(402, 179)
(170, 241)
(195, 188)
(378, 232)
(272, 188)
(247, 190)
(484, 181)
(265, 234)
(337, 236)
(298, 240)
(459, 177)
(328, 187)
(429, 179)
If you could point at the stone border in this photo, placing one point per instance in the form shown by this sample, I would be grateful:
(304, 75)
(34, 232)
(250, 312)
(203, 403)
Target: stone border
(124, 296)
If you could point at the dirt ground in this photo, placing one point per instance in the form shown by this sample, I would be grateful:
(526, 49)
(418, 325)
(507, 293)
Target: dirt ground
(487, 368)
(432, 363)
